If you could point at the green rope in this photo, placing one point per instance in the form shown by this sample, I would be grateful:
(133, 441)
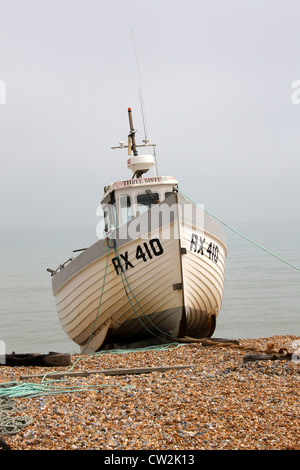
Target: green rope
(155, 348)
(47, 387)
(97, 314)
(100, 300)
(137, 302)
(101, 295)
(241, 234)
(33, 390)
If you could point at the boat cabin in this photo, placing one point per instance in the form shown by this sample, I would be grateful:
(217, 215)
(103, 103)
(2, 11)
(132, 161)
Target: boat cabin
(124, 200)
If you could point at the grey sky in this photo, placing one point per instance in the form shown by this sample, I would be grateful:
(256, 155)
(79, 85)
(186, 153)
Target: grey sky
(217, 80)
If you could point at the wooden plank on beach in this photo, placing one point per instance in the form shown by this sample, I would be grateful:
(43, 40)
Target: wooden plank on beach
(208, 341)
(135, 370)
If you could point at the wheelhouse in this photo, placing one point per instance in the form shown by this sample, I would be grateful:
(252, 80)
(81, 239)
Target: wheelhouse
(125, 200)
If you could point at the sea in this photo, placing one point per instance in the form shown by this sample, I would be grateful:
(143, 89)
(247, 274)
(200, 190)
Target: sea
(261, 296)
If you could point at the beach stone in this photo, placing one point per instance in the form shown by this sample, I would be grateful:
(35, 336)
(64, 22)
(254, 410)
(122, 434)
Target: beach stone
(3, 444)
(220, 402)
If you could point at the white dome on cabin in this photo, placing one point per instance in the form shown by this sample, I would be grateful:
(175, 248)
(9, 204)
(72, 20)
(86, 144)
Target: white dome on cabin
(141, 163)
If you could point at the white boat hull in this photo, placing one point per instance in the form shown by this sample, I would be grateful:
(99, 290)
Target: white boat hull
(165, 284)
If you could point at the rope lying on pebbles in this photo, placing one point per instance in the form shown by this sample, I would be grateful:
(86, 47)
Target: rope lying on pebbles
(11, 424)
(221, 402)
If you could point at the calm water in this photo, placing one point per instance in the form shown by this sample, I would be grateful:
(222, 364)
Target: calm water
(262, 294)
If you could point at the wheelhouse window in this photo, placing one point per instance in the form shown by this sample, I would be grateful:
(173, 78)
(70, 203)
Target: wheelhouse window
(109, 211)
(125, 209)
(106, 222)
(146, 200)
(168, 193)
(109, 217)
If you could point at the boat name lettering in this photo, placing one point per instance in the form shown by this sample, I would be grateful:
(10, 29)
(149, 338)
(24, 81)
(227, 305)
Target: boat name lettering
(145, 252)
(197, 246)
(143, 181)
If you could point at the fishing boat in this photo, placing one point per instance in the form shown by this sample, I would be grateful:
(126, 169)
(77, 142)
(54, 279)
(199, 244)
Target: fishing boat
(157, 273)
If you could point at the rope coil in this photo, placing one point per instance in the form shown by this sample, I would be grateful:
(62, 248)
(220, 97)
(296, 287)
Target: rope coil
(9, 424)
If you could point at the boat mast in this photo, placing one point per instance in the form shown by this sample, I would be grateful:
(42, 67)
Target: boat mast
(139, 164)
(131, 136)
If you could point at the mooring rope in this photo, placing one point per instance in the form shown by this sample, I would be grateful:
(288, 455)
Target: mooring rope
(241, 234)
(141, 309)
(123, 275)
(100, 300)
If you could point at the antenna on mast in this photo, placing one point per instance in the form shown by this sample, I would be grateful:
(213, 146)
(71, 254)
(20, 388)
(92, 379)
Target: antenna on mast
(139, 164)
(147, 137)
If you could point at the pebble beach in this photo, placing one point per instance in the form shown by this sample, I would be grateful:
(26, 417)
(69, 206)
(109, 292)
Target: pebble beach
(217, 401)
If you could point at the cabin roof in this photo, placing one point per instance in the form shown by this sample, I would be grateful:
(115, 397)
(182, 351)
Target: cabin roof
(139, 182)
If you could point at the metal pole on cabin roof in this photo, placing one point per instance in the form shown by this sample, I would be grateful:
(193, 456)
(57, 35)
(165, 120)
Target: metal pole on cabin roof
(132, 132)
